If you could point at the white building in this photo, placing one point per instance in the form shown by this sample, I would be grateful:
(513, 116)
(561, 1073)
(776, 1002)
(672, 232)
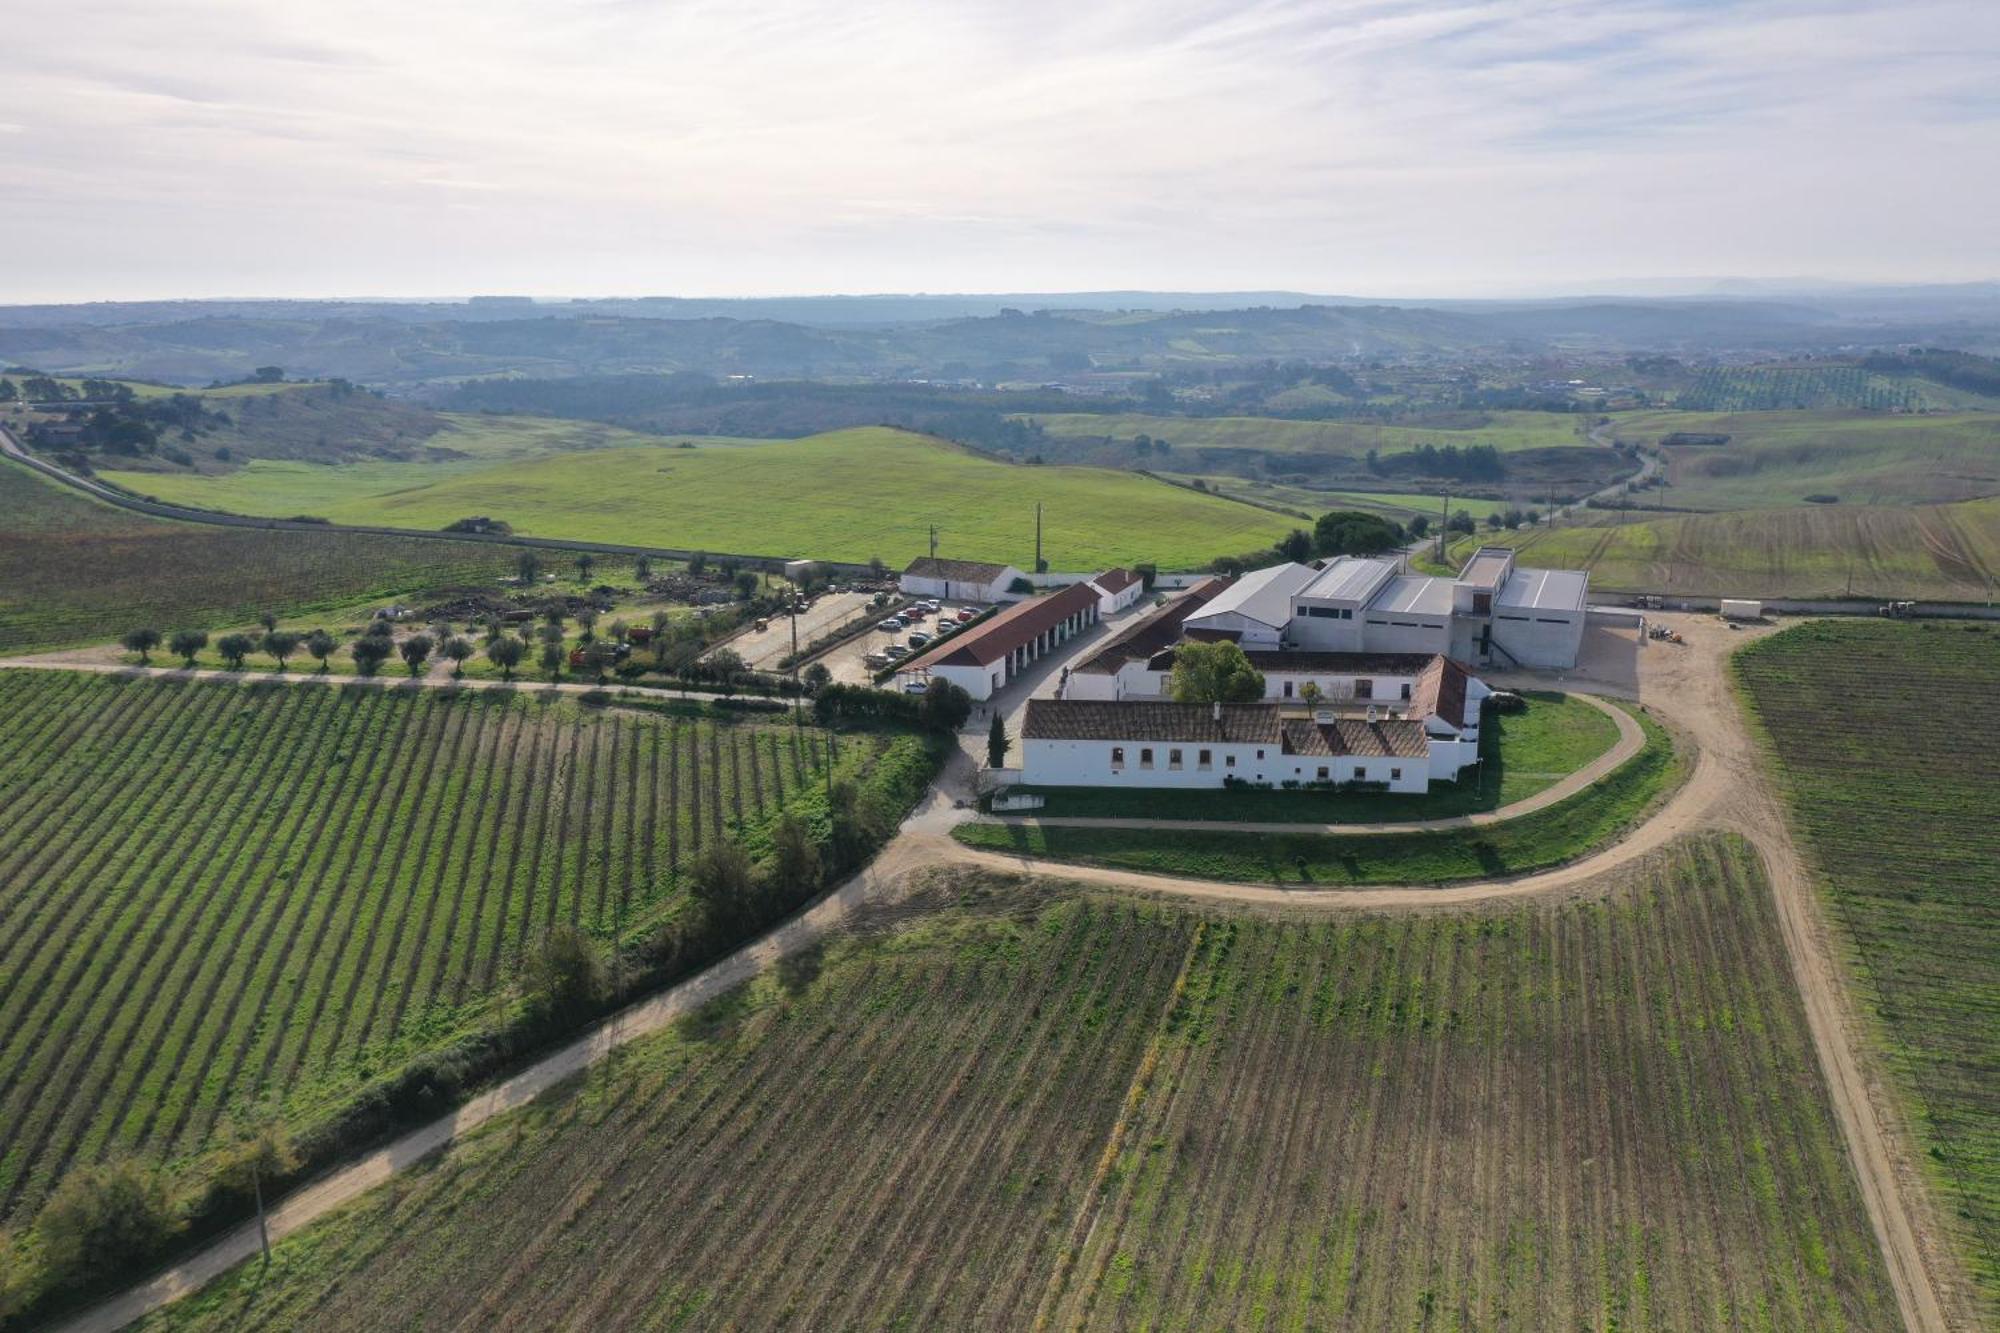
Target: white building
(1122, 666)
(1082, 743)
(1492, 613)
(1256, 609)
(984, 658)
(960, 580)
(1116, 590)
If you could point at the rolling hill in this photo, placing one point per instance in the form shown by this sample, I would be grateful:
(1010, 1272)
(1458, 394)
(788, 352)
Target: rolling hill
(847, 495)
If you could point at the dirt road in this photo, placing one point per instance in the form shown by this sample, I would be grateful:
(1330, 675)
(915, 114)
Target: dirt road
(1727, 789)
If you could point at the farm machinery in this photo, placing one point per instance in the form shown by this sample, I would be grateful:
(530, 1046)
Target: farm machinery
(1664, 635)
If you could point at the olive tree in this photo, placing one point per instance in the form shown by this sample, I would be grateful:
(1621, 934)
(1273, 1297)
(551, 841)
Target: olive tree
(234, 648)
(187, 644)
(415, 651)
(506, 653)
(1214, 673)
(281, 644)
(457, 649)
(323, 646)
(142, 642)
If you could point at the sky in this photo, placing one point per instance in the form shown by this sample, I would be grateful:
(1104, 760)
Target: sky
(167, 148)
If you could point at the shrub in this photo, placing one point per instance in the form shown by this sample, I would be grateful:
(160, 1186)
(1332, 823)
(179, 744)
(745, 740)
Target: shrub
(562, 972)
(104, 1220)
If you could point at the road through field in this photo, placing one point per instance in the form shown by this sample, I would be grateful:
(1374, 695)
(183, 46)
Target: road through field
(1688, 685)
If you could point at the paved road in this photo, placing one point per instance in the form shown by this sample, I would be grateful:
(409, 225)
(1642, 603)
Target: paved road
(1727, 790)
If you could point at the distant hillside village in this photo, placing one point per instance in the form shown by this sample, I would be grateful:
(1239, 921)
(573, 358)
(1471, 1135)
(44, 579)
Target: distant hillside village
(1366, 669)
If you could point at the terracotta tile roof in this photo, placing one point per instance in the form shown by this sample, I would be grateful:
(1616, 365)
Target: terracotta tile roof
(958, 571)
(1149, 634)
(1440, 691)
(1195, 724)
(1387, 739)
(991, 640)
(1115, 580)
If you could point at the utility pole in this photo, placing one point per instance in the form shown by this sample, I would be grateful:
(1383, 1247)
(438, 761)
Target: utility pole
(1444, 526)
(933, 541)
(798, 718)
(1038, 536)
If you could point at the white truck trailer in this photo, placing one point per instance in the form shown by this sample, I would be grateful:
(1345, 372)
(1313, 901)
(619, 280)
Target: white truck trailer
(1737, 608)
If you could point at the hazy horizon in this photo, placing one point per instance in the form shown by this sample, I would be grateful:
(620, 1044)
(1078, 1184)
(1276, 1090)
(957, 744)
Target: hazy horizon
(221, 149)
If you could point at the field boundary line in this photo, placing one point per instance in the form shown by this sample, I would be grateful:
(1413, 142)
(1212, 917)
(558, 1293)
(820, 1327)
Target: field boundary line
(1090, 1207)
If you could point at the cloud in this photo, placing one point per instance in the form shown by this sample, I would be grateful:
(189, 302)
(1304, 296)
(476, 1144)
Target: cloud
(1379, 146)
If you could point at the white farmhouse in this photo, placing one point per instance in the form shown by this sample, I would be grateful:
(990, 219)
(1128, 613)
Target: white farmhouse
(1122, 666)
(960, 580)
(1116, 590)
(1080, 743)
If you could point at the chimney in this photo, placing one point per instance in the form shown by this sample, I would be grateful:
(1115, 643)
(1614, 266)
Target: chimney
(1215, 711)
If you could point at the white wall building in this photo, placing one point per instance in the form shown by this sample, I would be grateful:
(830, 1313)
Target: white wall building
(1081, 743)
(982, 659)
(1121, 667)
(959, 580)
(1116, 590)
(1256, 609)
(1493, 613)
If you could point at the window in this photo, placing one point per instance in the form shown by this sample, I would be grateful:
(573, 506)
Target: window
(1395, 775)
(1288, 689)
(1173, 759)
(1202, 759)
(1406, 689)
(1359, 773)
(1145, 758)
(1482, 603)
(1260, 754)
(1322, 773)
(1118, 756)
(1228, 760)
(1364, 687)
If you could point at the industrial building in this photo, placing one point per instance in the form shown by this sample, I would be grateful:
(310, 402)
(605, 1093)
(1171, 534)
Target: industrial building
(1493, 613)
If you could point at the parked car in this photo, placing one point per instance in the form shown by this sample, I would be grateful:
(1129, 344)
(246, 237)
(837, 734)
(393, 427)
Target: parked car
(895, 650)
(918, 639)
(892, 624)
(966, 614)
(876, 661)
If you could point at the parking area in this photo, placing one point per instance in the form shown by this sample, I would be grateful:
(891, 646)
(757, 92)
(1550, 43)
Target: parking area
(848, 663)
(761, 650)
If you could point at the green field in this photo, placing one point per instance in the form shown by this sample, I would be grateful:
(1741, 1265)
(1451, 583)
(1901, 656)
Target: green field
(216, 895)
(1520, 754)
(1894, 806)
(1535, 841)
(73, 570)
(1948, 552)
(1775, 459)
(1505, 431)
(1032, 1107)
(847, 495)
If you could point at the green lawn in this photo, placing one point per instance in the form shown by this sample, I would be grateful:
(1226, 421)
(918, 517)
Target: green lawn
(846, 495)
(1947, 552)
(1775, 459)
(1505, 431)
(1892, 775)
(1535, 841)
(1521, 754)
